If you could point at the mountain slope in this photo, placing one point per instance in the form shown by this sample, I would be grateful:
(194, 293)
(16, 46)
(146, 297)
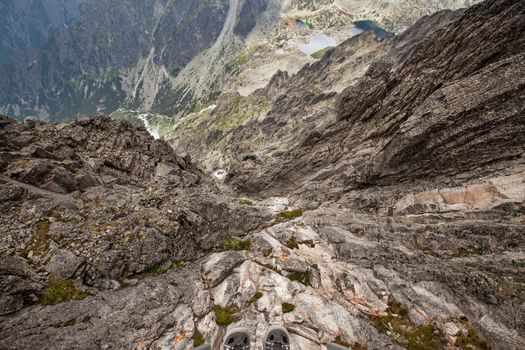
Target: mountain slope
(113, 55)
(427, 146)
(168, 57)
(383, 206)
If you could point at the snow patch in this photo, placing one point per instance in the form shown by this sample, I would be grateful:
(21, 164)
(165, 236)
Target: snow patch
(220, 174)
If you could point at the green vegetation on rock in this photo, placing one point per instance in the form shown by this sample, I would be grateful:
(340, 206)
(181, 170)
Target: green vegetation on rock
(245, 202)
(225, 316)
(258, 295)
(198, 339)
(472, 340)
(61, 292)
(402, 331)
(238, 245)
(303, 278)
(287, 308)
(289, 215)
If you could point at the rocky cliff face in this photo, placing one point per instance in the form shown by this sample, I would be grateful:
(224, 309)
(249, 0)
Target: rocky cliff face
(112, 55)
(132, 205)
(382, 206)
(26, 25)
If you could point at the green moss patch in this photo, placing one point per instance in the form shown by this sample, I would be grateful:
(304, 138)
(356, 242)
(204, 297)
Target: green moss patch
(289, 215)
(303, 278)
(403, 332)
(61, 292)
(238, 245)
(287, 308)
(258, 295)
(271, 267)
(198, 339)
(472, 340)
(176, 264)
(225, 316)
(245, 202)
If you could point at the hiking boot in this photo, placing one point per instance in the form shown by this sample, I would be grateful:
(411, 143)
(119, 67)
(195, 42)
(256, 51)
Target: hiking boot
(237, 339)
(277, 338)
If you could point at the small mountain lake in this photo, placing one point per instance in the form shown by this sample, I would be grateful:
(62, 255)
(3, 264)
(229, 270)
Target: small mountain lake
(301, 24)
(367, 25)
(318, 42)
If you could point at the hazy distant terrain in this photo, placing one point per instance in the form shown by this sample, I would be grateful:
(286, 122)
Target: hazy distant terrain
(61, 58)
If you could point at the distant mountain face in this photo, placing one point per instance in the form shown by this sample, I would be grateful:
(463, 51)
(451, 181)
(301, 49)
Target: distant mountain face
(60, 58)
(95, 64)
(27, 24)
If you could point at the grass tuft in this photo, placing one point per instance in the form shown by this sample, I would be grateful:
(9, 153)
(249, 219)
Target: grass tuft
(258, 295)
(303, 278)
(472, 340)
(198, 339)
(405, 333)
(61, 292)
(238, 245)
(289, 215)
(225, 316)
(287, 308)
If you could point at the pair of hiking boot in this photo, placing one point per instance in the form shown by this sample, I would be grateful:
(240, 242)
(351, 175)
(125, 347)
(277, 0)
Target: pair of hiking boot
(276, 338)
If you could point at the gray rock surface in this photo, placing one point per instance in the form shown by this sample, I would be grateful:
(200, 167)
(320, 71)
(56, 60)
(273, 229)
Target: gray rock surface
(143, 210)
(382, 189)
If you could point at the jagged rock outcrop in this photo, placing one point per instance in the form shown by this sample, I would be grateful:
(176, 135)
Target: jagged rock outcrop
(91, 151)
(99, 201)
(125, 55)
